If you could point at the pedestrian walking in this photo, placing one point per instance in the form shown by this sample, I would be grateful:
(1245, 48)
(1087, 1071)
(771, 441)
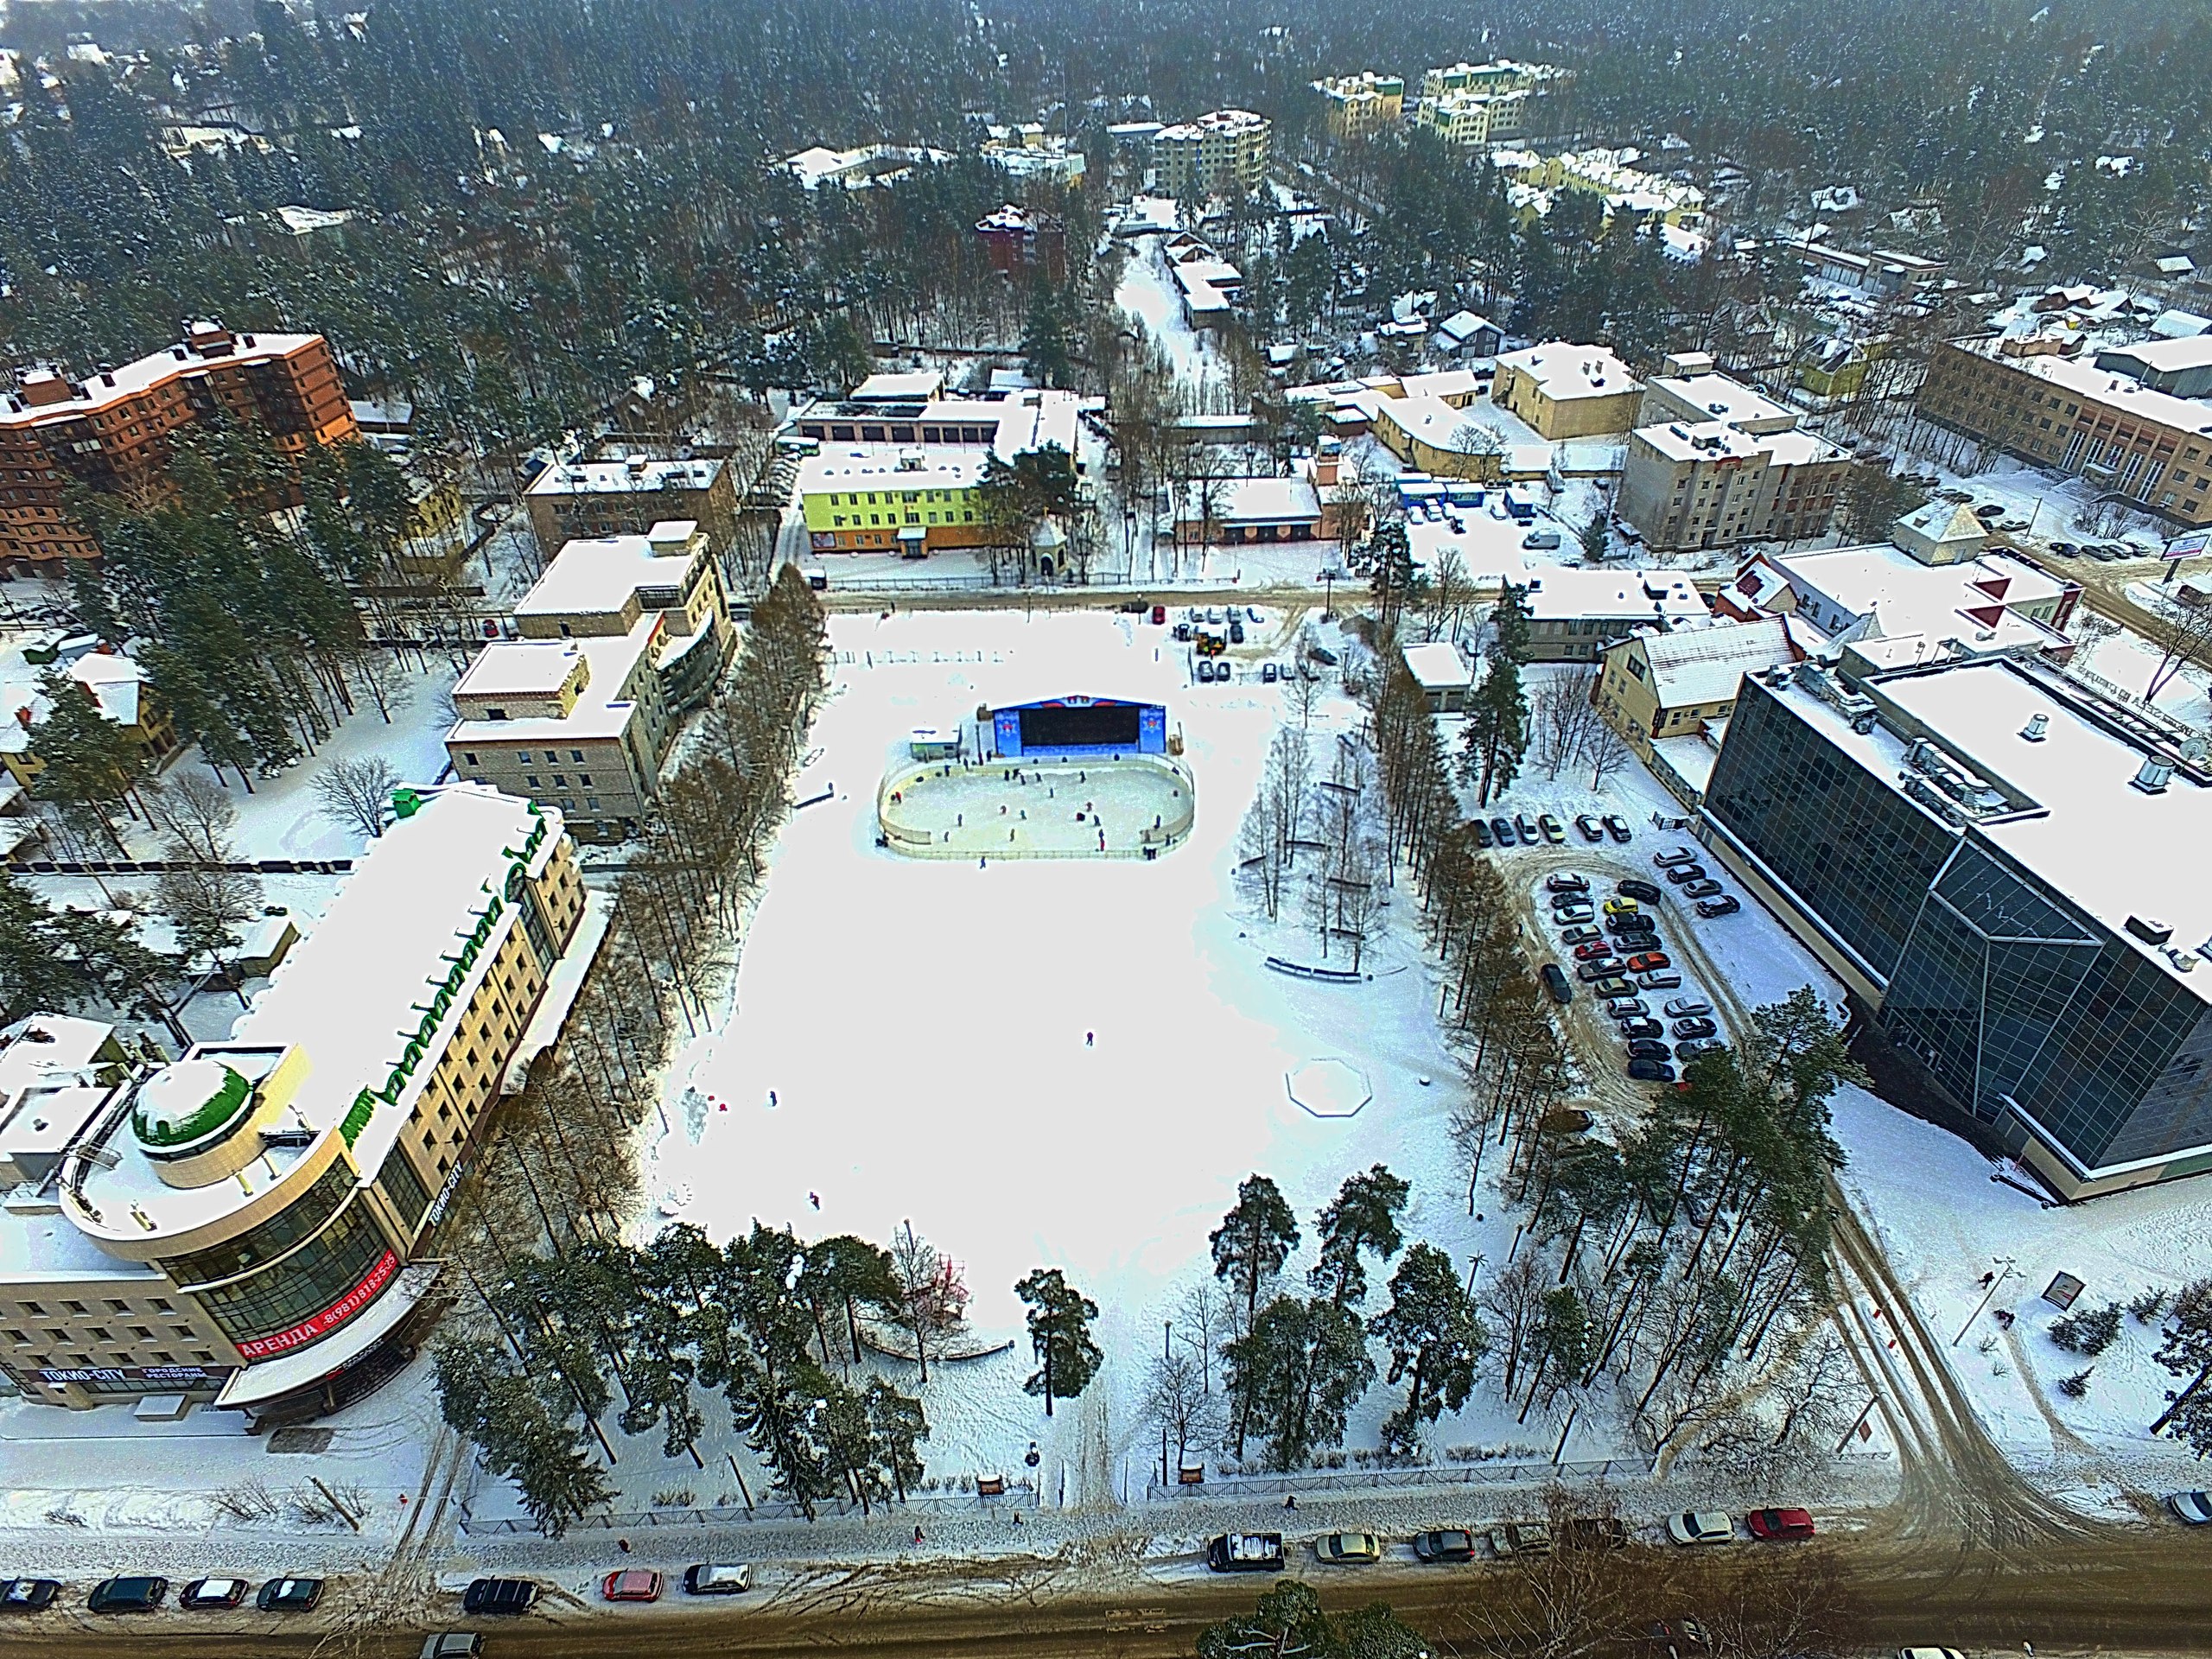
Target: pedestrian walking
(1090, 1038)
(622, 1544)
(1290, 1501)
(814, 1198)
(918, 1537)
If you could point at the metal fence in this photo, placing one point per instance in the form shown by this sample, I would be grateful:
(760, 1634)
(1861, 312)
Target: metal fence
(1407, 1479)
(968, 1502)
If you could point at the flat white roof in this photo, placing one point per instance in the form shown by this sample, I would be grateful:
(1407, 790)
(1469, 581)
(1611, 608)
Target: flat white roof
(596, 576)
(1910, 598)
(512, 667)
(620, 477)
(1722, 398)
(1567, 591)
(2114, 390)
(1695, 666)
(149, 372)
(2189, 351)
(600, 711)
(1439, 666)
(1561, 370)
(880, 469)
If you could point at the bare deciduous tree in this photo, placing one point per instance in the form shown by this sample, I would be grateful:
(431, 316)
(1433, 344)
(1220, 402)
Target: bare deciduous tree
(355, 792)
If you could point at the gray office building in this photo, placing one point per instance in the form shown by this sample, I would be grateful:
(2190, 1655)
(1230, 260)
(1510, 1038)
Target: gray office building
(2001, 864)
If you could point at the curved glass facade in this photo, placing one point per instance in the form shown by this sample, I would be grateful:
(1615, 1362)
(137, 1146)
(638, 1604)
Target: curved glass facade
(304, 1283)
(265, 1242)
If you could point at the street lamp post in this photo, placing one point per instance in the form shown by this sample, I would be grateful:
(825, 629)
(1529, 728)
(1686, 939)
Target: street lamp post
(1996, 1279)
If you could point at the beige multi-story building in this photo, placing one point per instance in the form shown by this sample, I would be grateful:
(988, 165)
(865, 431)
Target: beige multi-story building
(575, 498)
(2061, 412)
(1710, 484)
(1575, 612)
(1564, 391)
(620, 635)
(1499, 75)
(1473, 118)
(1656, 685)
(252, 1221)
(1221, 153)
(1359, 107)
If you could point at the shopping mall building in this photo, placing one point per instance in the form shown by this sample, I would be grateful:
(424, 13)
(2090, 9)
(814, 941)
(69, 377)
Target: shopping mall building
(249, 1223)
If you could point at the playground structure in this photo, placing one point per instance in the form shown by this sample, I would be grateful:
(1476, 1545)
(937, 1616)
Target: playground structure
(1124, 806)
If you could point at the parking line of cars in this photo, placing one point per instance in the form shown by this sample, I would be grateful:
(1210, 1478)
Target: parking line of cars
(1264, 1552)
(1623, 961)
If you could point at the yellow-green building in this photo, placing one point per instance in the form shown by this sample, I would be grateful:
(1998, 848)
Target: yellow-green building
(914, 503)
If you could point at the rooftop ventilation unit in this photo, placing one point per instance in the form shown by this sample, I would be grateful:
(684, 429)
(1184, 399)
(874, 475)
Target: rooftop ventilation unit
(2150, 932)
(2036, 727)
(2151, 779)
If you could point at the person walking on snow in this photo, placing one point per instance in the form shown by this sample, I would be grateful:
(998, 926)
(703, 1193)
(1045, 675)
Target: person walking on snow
(1090, 1038)
(771, 1100)
(814, 1198)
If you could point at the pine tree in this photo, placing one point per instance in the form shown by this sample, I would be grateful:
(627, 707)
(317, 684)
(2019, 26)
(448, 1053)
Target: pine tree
(1362, 1218)
(1434, 1336)
(1059, 1336)
(84, 758)
(2187, 1349)
(1254, 1241)
(1302, 1365)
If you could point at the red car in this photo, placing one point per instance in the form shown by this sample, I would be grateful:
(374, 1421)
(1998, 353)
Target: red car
(1645, 962)
(1159, 615)
(1592, 951)
(1774, 1525)
(632, 1584)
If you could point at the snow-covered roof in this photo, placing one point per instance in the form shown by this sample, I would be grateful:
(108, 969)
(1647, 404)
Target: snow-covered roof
(1561, 592)
(1926, 610)
(525, 667)
(1562, 370)
(104, 390)
(1715, 396)
(1695, 665)
(598, 576)
(1255, 501)
(1439, 666)
(639, 474)
(907, 386)
(2113, 390)
(113, 682)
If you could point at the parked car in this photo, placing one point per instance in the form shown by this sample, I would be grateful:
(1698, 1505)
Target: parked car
(1159, 616)
(1642, 1048)
(1252, 613)
(1648, 962)
(1521, 1538)
(1447, 1544)
(630, 1584)
(128, 1595)
(1612, 986)
(1592, 951)
(712, 1579)
(1697, 1026)
(1542, 540)
(1246, 1552)
(1502, 828)
(28, 1595)
(1589, 827)
(1616, 827)
(1225, 672)
(1642, 1028)
(1348, 1548)
(1726, 905)
(212, 1593)
(1658, 979)
(1597, 1532)
(1205, 670)
(1269, 674)
(1565, 881)
(299, 1595)
(2190, 1509)
(452, 1644)
(1650, 1071)
(1930, 1653)
(1987, 511)
(1687, 1051)
(1626, 1007)
(1527, 827)
(1679, 873)
(2064, 550)
(1572, 915)
(1701, 1527)
(1603, 967)
(1553, 830)
(1476, 827)
(1581, 933)
(505, 1598)
(1236, 634)
(1686, 1007)
(1556, 982)
(1629, 887)
(1621, 907)
(1772, 1526)
(1702, 889)
(1673, 855)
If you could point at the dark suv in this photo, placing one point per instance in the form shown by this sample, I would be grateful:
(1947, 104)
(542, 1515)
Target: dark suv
(502, 1597)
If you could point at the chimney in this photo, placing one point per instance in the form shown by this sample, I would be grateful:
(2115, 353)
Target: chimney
(2036, 726)
(1324, 470)
(23, 717)
(2151, 779)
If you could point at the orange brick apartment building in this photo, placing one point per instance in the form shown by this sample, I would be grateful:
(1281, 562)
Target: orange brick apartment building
(112, 430)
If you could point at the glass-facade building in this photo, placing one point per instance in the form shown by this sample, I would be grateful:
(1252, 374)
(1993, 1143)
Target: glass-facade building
(2026, 1011)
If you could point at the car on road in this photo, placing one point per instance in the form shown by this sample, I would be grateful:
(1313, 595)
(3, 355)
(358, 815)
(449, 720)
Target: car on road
(1554, 832)
(1643, 1028)
(1502, 828)
(2190, 1509)
(1616, 827)
(452, 1644)
(1611, 986)
(1673, 855)
(1245, 1552)
(1527, 827)
(717, 1578)
(1658, 979)
(1565, 881)
(298, 1595)
(1627, 1008)
(1678, 874)
(1726, 904)
(630, 1584)
(1629, 887)
(28, 1595)
(1348, 1548)
(1702, 889)
(1521, 1538)
(1480, 831)
(1696, 1026)
(1557, 983)
(1642, 1048)
(128, 1595)
(1930, 1653)
(1446, 1544)
(1580, 933)
(1650, 1071)
(1773, 1526)
(1687, 1051)
(1701, 1527)
(212, 1593)
(1589, 827)
(1648, 962)
(501, 1598)
(1686, 1007)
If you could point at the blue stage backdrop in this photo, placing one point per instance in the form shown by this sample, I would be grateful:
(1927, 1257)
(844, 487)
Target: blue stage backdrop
(1080, 726)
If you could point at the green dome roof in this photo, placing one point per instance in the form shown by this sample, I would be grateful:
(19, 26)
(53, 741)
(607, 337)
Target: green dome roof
(188, 1101)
